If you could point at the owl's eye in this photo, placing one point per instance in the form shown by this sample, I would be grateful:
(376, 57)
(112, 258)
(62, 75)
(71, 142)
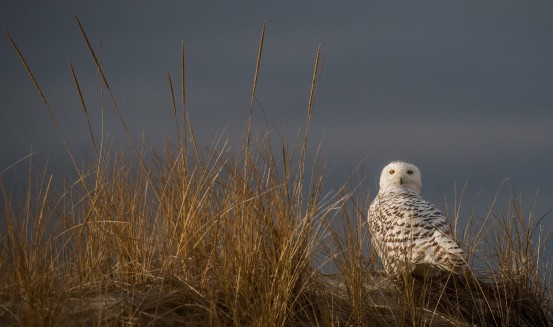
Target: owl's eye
(410, 172)
(392, 172)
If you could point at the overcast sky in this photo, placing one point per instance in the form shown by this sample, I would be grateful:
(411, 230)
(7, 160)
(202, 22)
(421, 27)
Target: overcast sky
(463, 89)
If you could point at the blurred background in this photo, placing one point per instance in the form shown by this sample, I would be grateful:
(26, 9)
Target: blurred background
(461, 89)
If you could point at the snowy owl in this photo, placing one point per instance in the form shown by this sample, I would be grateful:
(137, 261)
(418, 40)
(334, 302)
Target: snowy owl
(409, 233)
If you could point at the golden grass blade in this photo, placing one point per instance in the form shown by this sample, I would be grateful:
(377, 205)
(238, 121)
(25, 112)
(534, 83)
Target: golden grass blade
(247, 158)
(303, 153)
(16, 163)
(174, 109)
(42, 98)
(254, 86)
(183, 94)
(83, 104)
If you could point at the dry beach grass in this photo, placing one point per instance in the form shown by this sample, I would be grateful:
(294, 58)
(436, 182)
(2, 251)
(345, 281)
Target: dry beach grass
(226, 235)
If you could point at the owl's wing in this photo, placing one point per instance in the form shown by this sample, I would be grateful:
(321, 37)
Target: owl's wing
(431, 216)
(445, 252)
(378, 222)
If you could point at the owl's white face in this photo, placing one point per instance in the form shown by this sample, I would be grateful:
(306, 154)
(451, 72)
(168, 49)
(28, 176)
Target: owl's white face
(400, 175)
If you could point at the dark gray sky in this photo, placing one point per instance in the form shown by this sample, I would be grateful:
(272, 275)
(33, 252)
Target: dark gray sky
(464, 89)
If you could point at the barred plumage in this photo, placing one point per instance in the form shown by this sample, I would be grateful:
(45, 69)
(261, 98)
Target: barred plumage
(409, 233)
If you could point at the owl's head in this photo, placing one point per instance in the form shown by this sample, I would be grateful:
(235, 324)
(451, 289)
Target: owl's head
(399, 176)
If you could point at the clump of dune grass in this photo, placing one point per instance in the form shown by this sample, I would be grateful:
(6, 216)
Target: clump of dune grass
(239, 235)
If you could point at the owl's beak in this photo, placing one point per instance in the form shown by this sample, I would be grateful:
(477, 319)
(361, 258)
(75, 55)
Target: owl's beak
(401, 181)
